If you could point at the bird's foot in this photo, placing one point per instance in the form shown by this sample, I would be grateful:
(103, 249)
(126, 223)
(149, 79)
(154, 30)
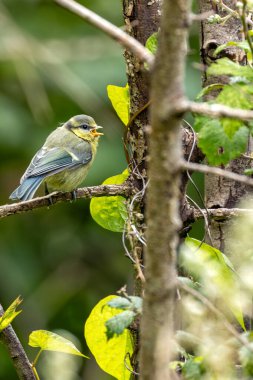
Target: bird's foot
(73, 194)
(46, 189)
(50, 200)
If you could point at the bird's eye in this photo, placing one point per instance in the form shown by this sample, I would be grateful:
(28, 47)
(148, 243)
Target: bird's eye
(85, 127)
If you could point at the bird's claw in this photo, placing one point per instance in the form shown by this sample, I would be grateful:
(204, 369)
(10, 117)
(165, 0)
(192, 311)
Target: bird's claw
(73, 194)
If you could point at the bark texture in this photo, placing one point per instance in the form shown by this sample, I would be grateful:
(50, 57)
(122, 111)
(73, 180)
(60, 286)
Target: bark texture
(142, 20)
(57, 197)
(163, 196)
(222, 192)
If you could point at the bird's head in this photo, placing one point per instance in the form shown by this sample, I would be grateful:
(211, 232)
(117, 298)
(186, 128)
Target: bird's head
(84, 127)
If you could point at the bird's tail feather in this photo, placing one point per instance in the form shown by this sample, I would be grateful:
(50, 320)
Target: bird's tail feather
(27, 188)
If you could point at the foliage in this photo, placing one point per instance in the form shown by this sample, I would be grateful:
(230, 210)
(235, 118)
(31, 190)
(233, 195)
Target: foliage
(225, 285)
(215, 143)
(117, 324)
(10, 314)
(244, 45)
(132, 306)
(151, 43)
(49, 341)
(111, 212)
(225, 139)
(224, 66)
(193, 368)
(119, 97)
(213, 270)
(110, 354)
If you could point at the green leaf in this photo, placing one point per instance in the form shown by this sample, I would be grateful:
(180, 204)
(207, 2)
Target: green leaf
(133, 303)
(240, 44)
(200, 121)
(112, 354)
(136, 303)
(120, 303)
(110, 212)
(224, 139)
(217, 146)
(231, 126)
(10, 314)
(47, 340)
(215, 272)
(207, 89)
(119, 97)
(248, 171)
(225, 66)
(151, 43)
(235, 96)
(207, 252)
(193, 368)
(117, 324)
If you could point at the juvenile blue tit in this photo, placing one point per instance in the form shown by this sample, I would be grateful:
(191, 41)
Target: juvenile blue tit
(64, 160)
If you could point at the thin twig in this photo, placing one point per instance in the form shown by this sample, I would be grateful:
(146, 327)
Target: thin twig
(228, 9)
(205, 215)
(217, 313)
(139, 267)
(201, 16)
(16, 352)
(221, 213)
(127, 253)
(57, 197)
(113, 31)
(212, 110)
(217, 171)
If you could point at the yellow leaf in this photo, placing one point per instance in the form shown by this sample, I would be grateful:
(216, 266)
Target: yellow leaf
(111, 212)
(47, 340)
(119, 97)
(10, 314)
(111, 355)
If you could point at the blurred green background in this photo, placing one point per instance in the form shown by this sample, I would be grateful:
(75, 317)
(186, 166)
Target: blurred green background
(52, 66)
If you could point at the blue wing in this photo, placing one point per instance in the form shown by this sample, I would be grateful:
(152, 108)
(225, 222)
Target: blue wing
(45, 163)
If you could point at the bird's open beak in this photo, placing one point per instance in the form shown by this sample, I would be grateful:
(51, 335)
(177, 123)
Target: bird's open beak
(95, 132)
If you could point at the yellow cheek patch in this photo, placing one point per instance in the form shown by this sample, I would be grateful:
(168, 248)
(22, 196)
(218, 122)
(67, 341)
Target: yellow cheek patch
(79, 133)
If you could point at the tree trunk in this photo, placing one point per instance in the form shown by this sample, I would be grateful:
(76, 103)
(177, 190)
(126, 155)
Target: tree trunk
(221, 192)
(163, 193)
(141, 20)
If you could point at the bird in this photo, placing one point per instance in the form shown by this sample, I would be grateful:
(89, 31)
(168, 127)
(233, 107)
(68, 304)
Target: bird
(63, 161)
